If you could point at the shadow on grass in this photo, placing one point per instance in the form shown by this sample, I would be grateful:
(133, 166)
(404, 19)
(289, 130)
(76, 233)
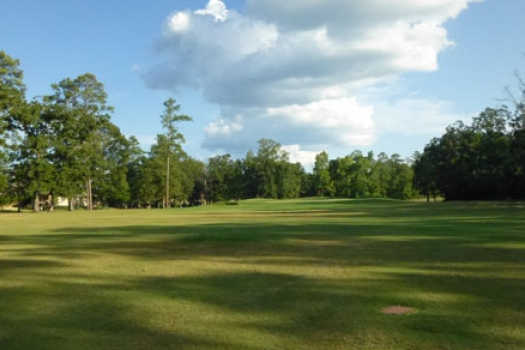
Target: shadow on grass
(457, 240)
(230, 310)
(463, 272)
(76, 316)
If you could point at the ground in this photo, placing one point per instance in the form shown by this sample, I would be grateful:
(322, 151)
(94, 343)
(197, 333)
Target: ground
(302, 274)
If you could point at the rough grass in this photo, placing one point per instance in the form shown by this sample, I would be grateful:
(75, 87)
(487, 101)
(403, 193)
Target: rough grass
(305, 274)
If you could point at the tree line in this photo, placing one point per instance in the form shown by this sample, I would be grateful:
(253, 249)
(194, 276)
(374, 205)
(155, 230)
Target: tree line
(481, 161)
(64, 145)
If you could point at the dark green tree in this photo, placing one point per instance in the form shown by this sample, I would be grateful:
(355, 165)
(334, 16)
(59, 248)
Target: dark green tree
(323, 185)
(82, 122)
(221, 177)
(12, 99)
(33, 169)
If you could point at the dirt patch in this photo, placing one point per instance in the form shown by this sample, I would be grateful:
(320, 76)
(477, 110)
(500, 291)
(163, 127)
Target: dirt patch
(398, 310)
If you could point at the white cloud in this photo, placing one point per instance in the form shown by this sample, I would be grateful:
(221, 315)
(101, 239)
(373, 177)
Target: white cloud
(222, 127)
(416, 116)
(352, 16)
(298, 155)
(179, 22)
(298, 70)
(350, 123)
(215, 8)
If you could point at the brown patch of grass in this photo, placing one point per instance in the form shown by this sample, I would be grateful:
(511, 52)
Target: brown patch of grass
(398, 310)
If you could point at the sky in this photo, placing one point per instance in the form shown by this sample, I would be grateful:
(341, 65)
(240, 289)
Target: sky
(334, 75)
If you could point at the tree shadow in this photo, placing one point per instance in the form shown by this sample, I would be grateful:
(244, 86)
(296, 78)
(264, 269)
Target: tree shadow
(347, 242)
(233, 310)
(292, 282)
(66, 316)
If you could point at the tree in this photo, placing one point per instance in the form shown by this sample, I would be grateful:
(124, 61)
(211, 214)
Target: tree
(220, 174)
(401, 179)
(424, 174)
(476, 161)
(12, 91)
(289, 179)
(323, 185)
(252, 176)
(81, 119)
(237, 188)
(113, 187)
(12, 99)
(269, 154)
(173, 141)
(193, 181)
(141, 179)
(33, 167)
(341, 176)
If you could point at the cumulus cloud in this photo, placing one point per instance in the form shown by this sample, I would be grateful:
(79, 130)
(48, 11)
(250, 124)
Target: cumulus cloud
(295, 70)
(298, 155)
(416, 116)
(353, 122)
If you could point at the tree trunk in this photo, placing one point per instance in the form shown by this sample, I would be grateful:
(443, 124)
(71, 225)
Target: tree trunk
(36, 202)
(428, 197)
(168, 183)
(71, 204)
(89, 194)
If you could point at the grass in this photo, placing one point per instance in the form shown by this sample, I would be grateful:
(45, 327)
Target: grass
(302, 274)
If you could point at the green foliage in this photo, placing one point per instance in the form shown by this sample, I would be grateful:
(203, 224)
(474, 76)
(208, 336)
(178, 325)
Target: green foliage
(483, 160)
(221, 177)
(141, 179)
(170, 118)
(82, 133)
(113, 188)
(12, 91)
(323, 184)
(33, 168)
(359, 176)
(12, 101)
(289, 180)
(269, 155)
(269, 174)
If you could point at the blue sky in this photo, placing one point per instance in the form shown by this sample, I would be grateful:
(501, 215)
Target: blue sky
(331, 75)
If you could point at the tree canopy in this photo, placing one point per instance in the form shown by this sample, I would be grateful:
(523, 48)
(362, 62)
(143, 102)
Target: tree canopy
(481, 161)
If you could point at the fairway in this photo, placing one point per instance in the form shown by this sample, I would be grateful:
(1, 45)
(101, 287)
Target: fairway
(296, 274)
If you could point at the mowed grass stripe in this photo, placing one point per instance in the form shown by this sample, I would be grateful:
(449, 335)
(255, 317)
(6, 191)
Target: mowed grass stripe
(301, 274)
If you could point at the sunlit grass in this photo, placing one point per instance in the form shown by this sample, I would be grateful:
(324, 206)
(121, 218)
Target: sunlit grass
(301, 274)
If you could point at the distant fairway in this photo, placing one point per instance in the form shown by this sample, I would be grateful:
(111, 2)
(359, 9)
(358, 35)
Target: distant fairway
(302, 274)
